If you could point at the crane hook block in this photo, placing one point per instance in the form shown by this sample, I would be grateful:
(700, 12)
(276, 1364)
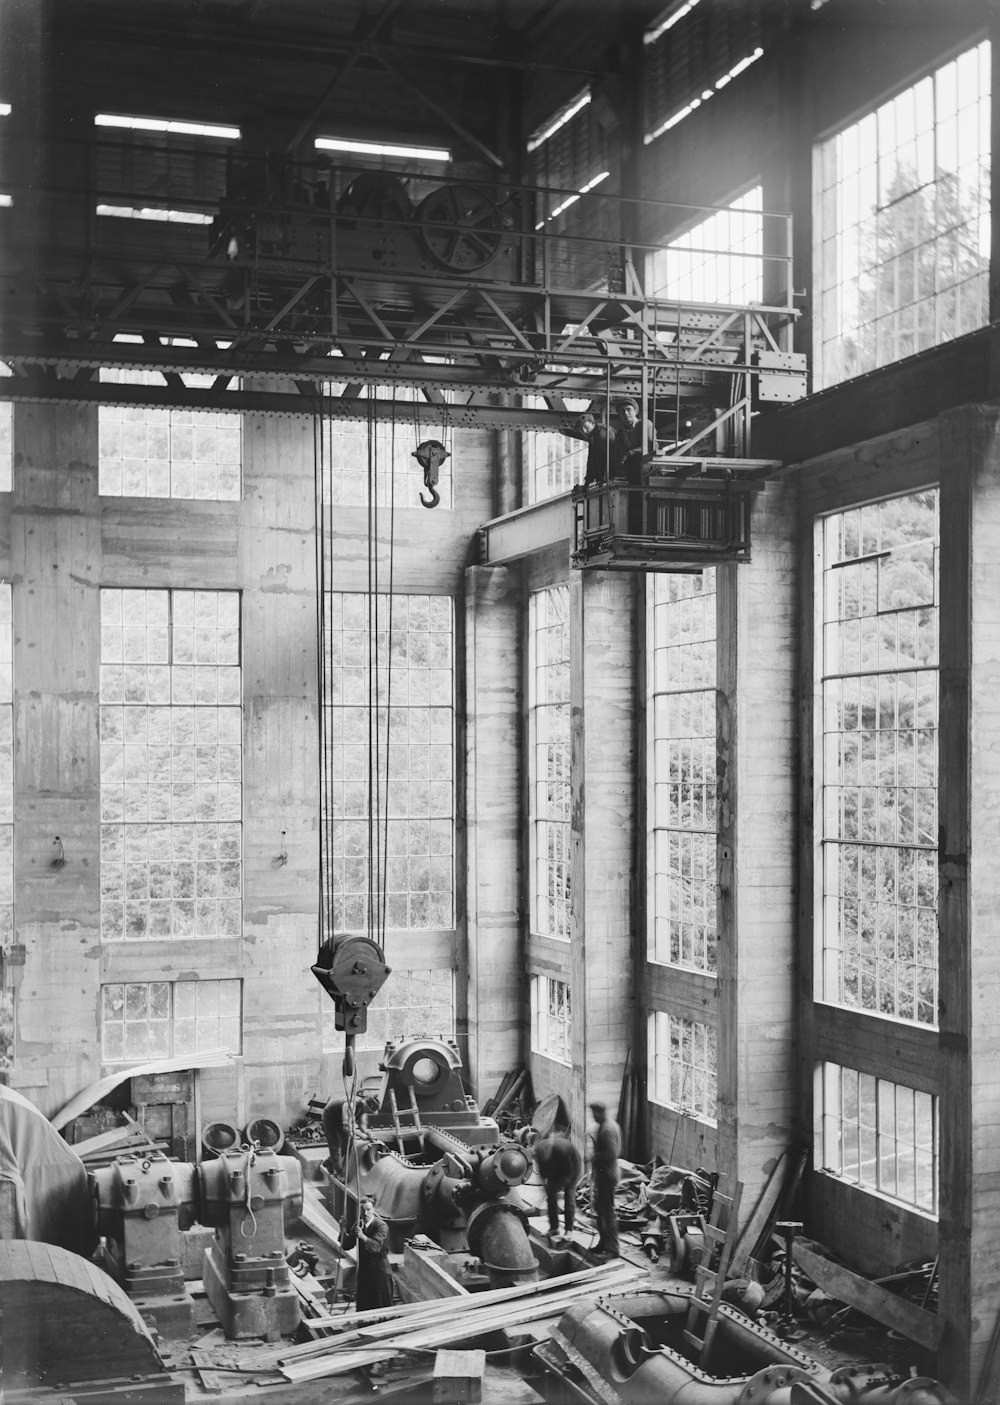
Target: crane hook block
(352, 970)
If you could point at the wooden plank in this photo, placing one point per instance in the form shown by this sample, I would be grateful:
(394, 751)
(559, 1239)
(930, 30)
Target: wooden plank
(752, 1229)
(915, 1323)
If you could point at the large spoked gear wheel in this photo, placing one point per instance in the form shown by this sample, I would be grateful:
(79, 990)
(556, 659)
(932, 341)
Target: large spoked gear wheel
(461, 227)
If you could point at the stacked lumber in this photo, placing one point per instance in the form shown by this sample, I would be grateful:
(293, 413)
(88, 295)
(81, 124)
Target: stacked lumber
(366, 1339)
(119, 1141)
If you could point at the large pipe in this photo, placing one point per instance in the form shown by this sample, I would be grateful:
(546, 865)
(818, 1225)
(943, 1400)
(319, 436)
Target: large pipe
(497, 1233)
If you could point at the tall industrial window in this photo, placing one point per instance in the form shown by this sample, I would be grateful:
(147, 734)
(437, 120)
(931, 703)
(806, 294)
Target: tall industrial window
(352, 450)
(549, 760)
(171, 764)
(389, 775)
(682, 1064)
(902, 222)
(148, 452)
(682, 782)
(718, 260)
(412, 1002)
(551, 1019)
(6, 825)
(553, 462)
(878, 1134)
(162, 1019)
(878, 760)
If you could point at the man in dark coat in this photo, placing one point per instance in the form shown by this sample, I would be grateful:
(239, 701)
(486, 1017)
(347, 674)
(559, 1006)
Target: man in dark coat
(371, 1235)
(338, 1129)
(602, 453)
(560, 1167)
(604, 1165)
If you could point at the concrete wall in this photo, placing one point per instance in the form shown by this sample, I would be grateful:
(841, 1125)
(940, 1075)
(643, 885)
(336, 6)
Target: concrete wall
(65, 542)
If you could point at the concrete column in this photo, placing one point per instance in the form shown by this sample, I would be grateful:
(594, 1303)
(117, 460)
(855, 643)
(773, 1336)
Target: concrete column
(603, 750)
(282, 1045)
(493, 680)
(55, 564)
(757, 757)
(969, 902)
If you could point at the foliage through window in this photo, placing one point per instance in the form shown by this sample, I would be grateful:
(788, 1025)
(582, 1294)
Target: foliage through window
(150, 452)
(683, 1064)
(682, 784)
(164, 1019)
(388, 775)
(878, 761)
(879, 1135)
(549, 760)
(903, 222)
(551, 1019)
(553, 462)
(171, 737)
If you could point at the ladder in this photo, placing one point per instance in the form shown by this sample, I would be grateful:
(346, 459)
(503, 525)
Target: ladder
(710, 1276)
(417, 1128)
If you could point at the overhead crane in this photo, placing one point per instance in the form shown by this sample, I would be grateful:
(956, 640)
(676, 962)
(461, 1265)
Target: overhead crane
(488, 299)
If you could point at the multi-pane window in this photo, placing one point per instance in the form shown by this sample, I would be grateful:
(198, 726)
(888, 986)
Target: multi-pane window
(550, 1019)
(354, 452)
(388, 772)
(171, 764)
(879, 762)
(682, 1064)
(553, 462)
(903, 222)
(681, 720)
(549, 760)
(718, 260)
(414, 1002)
(879, 1135)
(146, 452)
(163, 1019)
(6, 821)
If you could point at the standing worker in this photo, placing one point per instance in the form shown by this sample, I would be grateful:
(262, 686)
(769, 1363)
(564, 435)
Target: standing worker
(338, 1129)
(560, 1167)
(371, 1234)
(604, 1166)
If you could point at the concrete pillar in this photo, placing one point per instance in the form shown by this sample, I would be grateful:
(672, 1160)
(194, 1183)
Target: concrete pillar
(757, 932)
(603, 702)
(493, 681)
(969, 902)
(55, 564)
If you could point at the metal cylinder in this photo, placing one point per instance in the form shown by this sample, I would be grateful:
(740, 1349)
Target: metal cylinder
(498, 1234)
(508, 1166)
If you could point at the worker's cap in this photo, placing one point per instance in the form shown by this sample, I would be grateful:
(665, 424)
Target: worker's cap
(598, 1108)
(623, 404)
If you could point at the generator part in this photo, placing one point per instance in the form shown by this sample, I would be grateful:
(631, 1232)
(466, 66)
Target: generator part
(141, 1205)
(217, 1137)
(264, 1132)
(497, 1233)
(247, 1195)
(510, 1165)
(426, 1075)
(59, 1313)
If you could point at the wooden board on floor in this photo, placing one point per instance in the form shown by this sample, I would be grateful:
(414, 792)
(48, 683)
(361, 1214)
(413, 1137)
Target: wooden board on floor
(915, 1323)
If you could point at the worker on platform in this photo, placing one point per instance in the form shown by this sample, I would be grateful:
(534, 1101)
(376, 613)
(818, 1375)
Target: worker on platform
(371, 1235)
(602, 452)
(607, 1141)
(560, 1166)
(635, 443)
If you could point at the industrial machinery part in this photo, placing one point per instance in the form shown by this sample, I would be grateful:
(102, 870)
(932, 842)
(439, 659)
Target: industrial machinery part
(632, 1345)
(217, 1137)
(425, 1076)
(60, 1313)
(264, 1132)
(247, 1194)
(141, 1205)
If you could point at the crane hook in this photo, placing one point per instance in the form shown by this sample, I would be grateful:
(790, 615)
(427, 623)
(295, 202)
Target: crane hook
(431, 454)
